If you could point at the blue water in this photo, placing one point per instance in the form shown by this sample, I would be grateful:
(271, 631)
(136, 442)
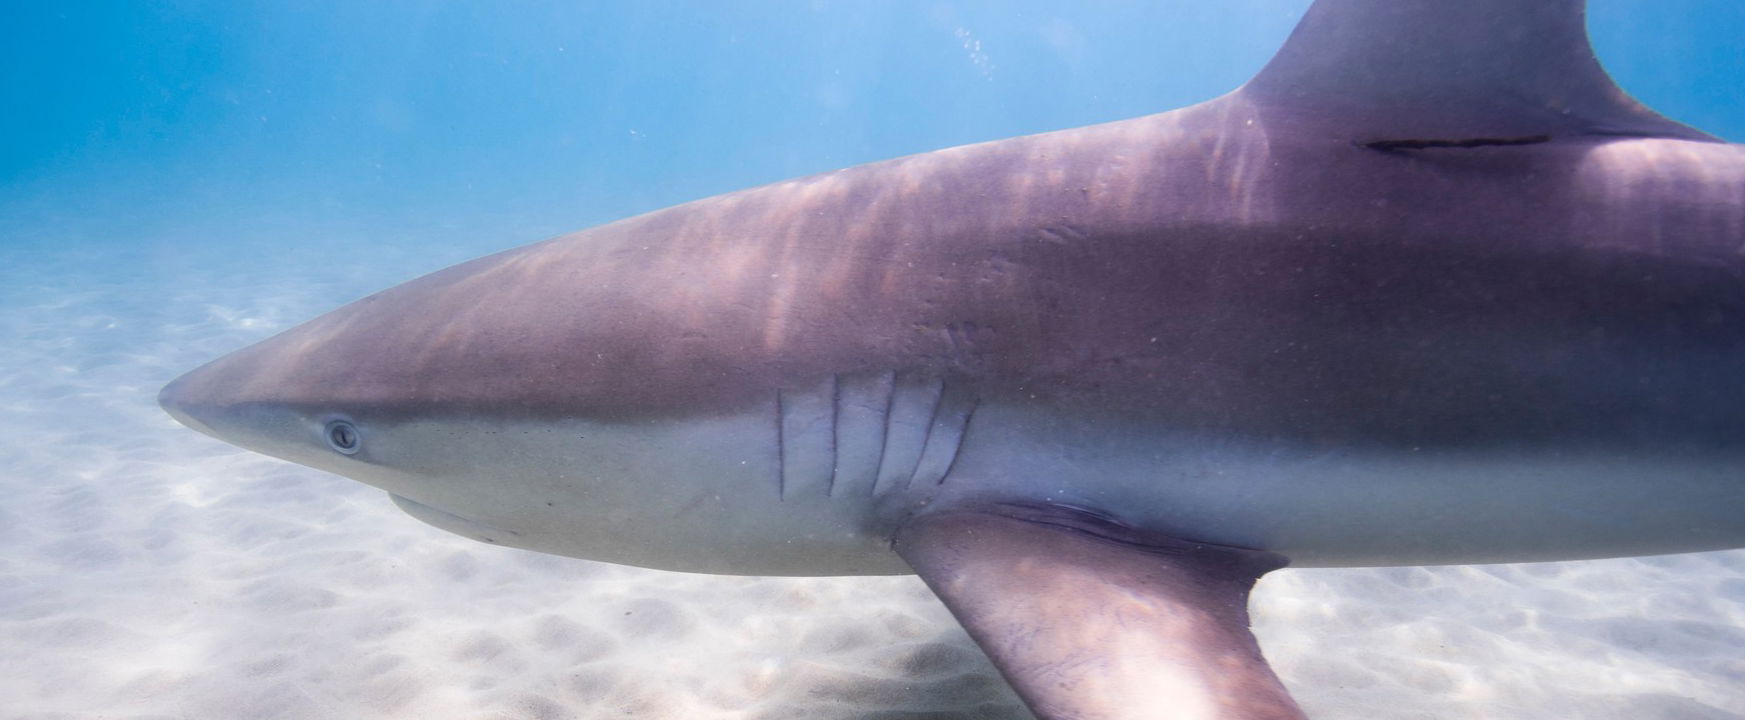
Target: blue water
(568, 114)
(183, 176)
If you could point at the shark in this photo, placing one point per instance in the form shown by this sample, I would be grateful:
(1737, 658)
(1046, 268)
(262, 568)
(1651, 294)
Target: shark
(1429, 288)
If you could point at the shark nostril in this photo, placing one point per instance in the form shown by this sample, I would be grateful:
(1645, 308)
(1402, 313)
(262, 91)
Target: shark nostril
(343, 437)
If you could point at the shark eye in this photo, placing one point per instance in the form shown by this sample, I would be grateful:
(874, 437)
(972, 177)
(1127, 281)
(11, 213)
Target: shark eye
(343, 437)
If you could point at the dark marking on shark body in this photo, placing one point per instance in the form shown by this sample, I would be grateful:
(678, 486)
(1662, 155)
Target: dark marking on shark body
(1405, 144)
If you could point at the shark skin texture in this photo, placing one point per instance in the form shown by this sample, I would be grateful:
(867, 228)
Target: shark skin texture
(1429, 289)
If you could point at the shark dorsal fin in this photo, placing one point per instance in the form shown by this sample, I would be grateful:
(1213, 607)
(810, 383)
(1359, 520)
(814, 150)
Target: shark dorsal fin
(1453, 70)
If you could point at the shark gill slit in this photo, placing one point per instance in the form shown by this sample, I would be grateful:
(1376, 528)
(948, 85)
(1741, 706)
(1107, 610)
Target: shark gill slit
(905, 430)
(885, 435)
(938, 391)
(835, 427)
(781, 452)
(962, 434)
(945, 435)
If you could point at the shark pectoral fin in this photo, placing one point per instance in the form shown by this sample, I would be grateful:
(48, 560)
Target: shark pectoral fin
(1088, 619)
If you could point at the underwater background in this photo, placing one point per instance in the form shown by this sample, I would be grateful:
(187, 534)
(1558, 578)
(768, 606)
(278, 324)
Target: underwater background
(184, 177)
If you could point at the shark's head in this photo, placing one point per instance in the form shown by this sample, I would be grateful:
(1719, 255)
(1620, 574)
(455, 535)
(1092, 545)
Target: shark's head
(490, 419)
(266, 398)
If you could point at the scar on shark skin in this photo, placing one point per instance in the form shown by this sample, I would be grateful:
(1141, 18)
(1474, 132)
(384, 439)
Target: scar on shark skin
(1395, 145)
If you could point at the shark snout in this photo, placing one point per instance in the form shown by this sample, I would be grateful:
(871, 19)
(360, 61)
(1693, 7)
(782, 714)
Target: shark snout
(211, 399)
(223, 399)
(178, 400)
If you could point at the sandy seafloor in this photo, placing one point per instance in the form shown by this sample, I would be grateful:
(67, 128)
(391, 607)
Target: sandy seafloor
(151, 572)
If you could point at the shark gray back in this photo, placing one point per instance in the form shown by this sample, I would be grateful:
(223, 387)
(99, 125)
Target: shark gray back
(1429, 289)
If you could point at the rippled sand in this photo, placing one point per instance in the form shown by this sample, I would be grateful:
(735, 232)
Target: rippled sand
(150, 572)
